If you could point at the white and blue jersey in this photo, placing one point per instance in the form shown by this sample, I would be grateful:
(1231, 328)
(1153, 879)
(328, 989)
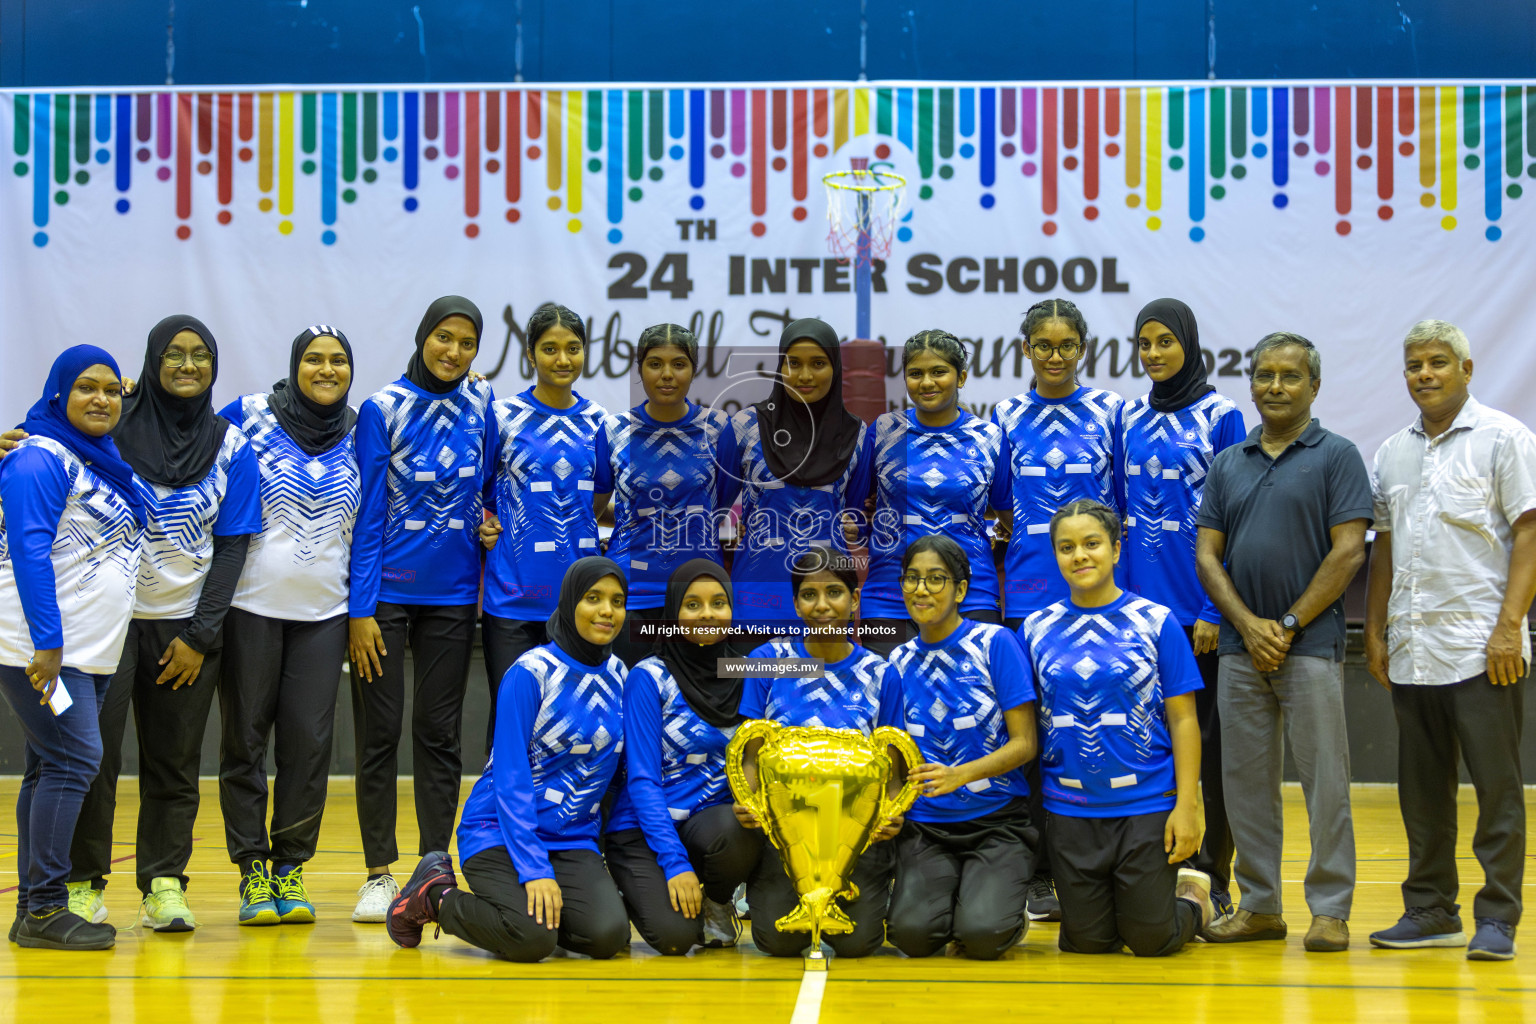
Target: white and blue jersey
(1103, 675)
(669, 481)
(674, 763)
(421, 459)
(953, 696)
(780, 521)
(546, 476)
(1166, 457)
(297, 567)
(559, 740)
(933, 480)
(860, 692)
(182, 522)
(1058, 450)
(69, 559)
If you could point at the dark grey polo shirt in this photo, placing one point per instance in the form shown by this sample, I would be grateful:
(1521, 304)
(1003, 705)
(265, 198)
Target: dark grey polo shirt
(1276, 514)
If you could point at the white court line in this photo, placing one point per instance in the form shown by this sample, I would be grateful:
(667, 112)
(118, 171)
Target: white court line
(808, 1003)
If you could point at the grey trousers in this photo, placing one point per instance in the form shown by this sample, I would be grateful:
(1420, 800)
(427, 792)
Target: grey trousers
(1305, 698)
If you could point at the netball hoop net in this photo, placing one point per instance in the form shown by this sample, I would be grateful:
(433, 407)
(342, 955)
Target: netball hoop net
(863, 209)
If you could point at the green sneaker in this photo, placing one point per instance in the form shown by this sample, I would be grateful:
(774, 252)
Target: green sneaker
(85, 900)
(165, 907)
(258, 906)
(293, 905)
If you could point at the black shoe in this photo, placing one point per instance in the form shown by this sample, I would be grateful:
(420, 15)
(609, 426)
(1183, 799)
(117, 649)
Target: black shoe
(1040, 902)
(16, 924)
(1221, 903)
(60, 929)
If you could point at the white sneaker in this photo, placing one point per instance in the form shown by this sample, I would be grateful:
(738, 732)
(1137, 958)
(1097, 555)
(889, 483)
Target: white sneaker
(739, 897)
(85, 901)
(1195, 886)
(374, 898)
(722, 928)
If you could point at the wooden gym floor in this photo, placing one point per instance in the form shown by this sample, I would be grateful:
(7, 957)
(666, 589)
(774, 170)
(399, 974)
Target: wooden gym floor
(337, 971)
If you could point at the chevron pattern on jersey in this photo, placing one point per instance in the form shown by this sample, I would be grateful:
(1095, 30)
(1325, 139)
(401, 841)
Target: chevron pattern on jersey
(1167, 457)
(577, 736)
(310, 499)
(692, 750)
(664, 483)
(542, 462)
(846, 699)
(1060, 451)
(434, 470)
(178, 539)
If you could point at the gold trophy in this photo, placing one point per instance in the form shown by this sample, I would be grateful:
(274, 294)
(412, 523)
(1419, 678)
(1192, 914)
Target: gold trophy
(821, 795)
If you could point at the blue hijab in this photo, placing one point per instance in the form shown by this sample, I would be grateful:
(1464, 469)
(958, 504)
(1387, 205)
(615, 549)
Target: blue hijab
(47, 418)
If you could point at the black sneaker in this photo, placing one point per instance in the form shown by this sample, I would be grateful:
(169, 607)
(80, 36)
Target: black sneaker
(1221, 903)
(1495, 940)
(411, 910)
(60, 929)
(1041, 903)
(16, 924)
(1422, 928)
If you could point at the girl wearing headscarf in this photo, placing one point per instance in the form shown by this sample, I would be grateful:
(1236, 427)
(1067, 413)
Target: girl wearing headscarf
(547, 485)
(528, 838)
(672, 463)
(421, 454)
(674, 845)
(805, 466)
(286, 634)
(1170, 438)
(65, 479)
(201, 491)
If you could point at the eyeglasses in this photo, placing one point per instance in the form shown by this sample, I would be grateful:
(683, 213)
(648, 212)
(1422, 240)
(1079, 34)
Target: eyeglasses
(935, 582)
(1264, 378)
(175, 357)
(1068, 349)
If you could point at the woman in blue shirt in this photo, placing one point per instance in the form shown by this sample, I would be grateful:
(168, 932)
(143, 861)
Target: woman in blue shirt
(672, 464)
(415, 577)
(286, 634)
(674, 846)
(966, 853)
(937, 470)
(1169, 439)
(545, 485)
(66, 479)
(528, 839)
(1120, 755)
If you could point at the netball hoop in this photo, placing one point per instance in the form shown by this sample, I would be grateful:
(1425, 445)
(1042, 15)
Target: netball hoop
(863, 209)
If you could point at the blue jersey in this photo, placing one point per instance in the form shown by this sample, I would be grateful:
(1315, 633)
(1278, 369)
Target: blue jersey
(178, 537)
(780, 521)
(953, 696)
(298, 565)
(1058, 450)
(860, 692)
(1103, 675)
(674, 763)
(421, 459)
(1166, 457)
(559, 738)
(670, 480)
(933, 480)
(546, 476)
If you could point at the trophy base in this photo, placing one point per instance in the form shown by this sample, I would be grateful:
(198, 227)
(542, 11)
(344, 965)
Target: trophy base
(817, 959)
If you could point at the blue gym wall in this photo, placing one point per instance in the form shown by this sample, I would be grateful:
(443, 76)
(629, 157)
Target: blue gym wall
(46, 43)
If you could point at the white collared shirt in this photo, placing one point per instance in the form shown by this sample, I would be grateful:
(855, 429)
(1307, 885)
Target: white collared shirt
(1449, 502)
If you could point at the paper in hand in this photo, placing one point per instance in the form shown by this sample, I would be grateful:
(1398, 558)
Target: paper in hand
(60, 701)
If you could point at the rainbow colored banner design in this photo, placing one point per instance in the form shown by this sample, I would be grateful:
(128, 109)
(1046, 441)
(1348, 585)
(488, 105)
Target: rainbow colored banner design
(1134, 153)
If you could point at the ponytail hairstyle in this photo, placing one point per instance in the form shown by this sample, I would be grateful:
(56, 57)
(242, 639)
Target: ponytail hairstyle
(1045, 310)
(550, 315)
(1088, 507)
(658, 335)
(941, 343)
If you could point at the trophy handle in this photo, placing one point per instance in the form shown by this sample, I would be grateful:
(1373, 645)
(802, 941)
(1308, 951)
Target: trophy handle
(883, 739)
(748, 734)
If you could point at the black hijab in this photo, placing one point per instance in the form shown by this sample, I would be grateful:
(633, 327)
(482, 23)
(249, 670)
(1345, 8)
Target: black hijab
(445, 307)
(1187, 386)
(579, 578)
(169, 440)
(313, 427)
(693, 666)
(808, 445)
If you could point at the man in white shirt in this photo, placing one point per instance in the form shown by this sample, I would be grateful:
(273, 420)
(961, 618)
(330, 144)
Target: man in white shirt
(1453, 574)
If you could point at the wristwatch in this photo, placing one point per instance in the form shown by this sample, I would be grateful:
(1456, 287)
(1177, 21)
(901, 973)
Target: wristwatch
(1291, 622)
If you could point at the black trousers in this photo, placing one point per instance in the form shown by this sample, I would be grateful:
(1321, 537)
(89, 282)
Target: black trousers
(280, 676)
(1037, 812)
(170, 725)
(441, 638)
(722, 853)
(494, 915)
(1117, 888)
(771, 895)
(504, 641)
(895, 632)
(963, 880)
(1479, 723)
(1215, 854)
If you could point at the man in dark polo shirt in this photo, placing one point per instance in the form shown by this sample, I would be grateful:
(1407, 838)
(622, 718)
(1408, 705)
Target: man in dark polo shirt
(1282, 533)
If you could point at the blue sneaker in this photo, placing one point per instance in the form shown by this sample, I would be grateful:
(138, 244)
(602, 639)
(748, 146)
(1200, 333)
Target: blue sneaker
(1221, 904)
(1422, 928)
(293, 905)
(258, 904)
(1495, 940)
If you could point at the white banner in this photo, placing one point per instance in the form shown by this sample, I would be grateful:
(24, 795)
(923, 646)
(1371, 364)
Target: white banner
(1343, 212)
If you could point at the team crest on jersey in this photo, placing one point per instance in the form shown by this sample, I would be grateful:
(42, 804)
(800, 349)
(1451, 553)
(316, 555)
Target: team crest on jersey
(1091, 427)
